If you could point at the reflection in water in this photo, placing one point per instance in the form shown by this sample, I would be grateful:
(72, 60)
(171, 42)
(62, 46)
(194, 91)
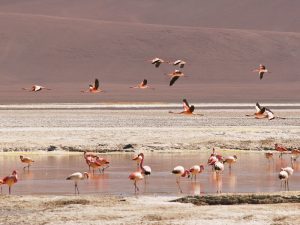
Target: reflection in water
(251, 173)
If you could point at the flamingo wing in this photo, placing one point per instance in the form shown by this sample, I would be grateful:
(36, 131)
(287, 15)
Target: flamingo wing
(186, 105)
(261, 74)
(174, 78)
(270, 114)
(144, 83)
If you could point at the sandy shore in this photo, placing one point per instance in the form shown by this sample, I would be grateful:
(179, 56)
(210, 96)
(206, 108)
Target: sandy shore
(137, 210)
(147, 130)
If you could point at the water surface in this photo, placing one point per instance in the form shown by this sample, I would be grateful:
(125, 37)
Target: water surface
(251, 173)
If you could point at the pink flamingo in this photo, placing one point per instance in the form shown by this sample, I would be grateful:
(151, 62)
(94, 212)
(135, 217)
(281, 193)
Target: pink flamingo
(135, 177)
(11, 180)
(194, 170)
(36, 88)
(230, 160)
(281, 149)
(146, 170)
(179, 171)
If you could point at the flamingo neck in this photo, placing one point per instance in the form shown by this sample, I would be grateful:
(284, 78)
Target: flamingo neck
(141, 164)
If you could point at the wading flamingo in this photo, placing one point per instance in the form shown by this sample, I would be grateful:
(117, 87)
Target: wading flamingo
(230, 160)
(11, 180)
(179, 171)
(93, 88)
(269, 155)
(146, 170)
(26, 160)
(284, 176)
(76, 177)
(281, 149)
(138, 160)
(36, 88)
(261, 71)
(196, 169)
(136, 177)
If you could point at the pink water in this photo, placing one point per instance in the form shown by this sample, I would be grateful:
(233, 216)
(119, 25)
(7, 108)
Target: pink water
(251, 173)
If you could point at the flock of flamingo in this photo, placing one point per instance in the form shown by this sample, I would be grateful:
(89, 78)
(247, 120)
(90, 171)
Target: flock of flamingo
(216, 161)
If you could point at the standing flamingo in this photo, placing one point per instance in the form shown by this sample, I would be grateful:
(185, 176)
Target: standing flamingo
(194, 170)
(11, 180)
(103, 162)
(146, 170)
(135, 177)
(230, 160)
(77, 177)
(281, 149)
(138, 160)
(284, 175)
(219, 168)
(26, 160)
(179, 171)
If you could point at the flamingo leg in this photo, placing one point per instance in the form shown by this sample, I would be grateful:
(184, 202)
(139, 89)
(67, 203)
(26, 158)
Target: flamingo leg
(104, 168)
(1, 190)
(178, 184)
(287, 182)
(77, 189)
(9, 189)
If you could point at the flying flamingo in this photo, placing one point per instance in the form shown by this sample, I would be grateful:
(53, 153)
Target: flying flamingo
(284, 175)
(135, 177)
(179, 63)
(143, 85)
(26, 160)
(11, 180)
(281, 149)
(35, 88)
(259, 110)
(146, 170)
(77, 177)
(156, 61)
(175, 76)
(179, 171)
(187, 109)
(138, 160)
(261, 71)
(196, 169)
(230, 160)
(94, 88)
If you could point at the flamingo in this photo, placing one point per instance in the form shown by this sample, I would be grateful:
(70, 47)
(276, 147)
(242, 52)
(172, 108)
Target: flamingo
(77, 177)
(187, 109)
(138, 160)
(179, 171)
(281, 149)
(175, 76)
(26, 160)
(269, 155)
(295, 154)
(95, 165)
(136, 177)
(1, 182)
(196, 169)
(230, 160)
(179, 63)
(156, 61)
(284, 175)
(11, 180)
(259, 110)
(146, 170)
(36, 88)
(102, 162)
(261, 71)
(143, 85)
(93, 88)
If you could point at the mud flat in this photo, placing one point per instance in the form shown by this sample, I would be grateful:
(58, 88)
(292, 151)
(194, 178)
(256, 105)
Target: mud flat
(147, 130)
(97, 209)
